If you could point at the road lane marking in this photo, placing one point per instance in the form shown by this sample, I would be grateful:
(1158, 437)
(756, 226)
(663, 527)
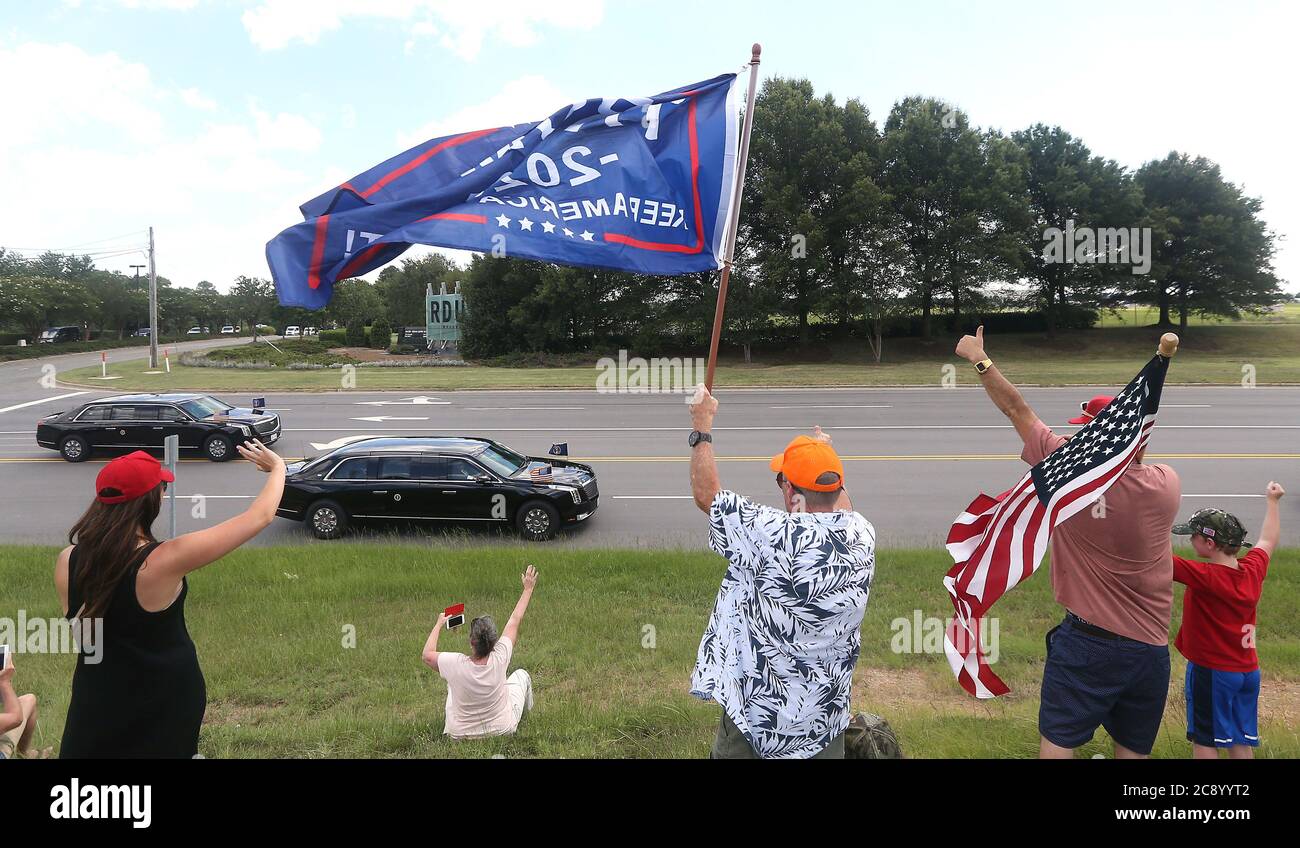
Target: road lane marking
(767, 459)
(1224, 496)
(836, 428)
(518, 408)
(837, 406)
(652, 497)
(42, 400)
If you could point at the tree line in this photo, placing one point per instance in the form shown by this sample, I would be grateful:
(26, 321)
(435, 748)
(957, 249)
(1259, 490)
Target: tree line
(854, 229)
(849, 229)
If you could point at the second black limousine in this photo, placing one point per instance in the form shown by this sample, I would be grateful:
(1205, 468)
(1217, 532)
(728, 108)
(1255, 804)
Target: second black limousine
(203, 423)
(440, 478)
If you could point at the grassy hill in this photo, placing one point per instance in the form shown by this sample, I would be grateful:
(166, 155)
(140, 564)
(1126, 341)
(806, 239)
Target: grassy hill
(1209, 354)
(610, 640)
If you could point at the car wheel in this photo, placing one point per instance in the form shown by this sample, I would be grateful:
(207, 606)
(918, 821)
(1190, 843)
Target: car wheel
(75, 449)
(537, 521)
(327, 520)
(218, 448)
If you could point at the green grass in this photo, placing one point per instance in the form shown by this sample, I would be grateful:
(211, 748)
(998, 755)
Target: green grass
(1144, 316)
(1209, 354)
(269, 625)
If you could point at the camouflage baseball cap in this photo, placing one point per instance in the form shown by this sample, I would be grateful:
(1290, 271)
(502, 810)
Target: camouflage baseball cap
(1215, 525)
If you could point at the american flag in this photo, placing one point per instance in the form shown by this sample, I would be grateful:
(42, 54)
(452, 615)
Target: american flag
(540, 472)
(998, 542)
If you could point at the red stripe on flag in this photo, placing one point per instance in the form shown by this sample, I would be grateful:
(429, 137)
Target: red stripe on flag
(317, 252)
(619, 238)
(424, 157)
(455, 216)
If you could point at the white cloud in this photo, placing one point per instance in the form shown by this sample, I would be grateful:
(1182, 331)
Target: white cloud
(94, 157)
(529, 98)
(462, 26)
(195, 99)
(61, 87)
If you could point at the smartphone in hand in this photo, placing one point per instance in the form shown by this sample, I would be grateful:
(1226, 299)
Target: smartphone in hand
(455, 616)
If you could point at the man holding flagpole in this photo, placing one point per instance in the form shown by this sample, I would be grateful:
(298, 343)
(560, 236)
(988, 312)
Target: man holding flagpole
(783, 639)
(1112, 568)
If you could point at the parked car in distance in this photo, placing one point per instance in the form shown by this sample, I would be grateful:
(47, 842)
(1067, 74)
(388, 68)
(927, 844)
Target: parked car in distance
(229, 330)
(198, 331)
(292, 331)
(310, 331)
(57, 335)
(142, 333)
(203, 423)
(437, 478)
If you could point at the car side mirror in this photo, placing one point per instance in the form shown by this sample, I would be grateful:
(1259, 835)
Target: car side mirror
(482, 478)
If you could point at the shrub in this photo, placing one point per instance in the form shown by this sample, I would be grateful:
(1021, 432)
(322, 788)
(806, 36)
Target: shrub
(356, 333)
(381, 333)
(334, 338)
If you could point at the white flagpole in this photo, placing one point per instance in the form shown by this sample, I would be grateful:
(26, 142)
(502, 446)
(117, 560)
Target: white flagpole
(734, 218)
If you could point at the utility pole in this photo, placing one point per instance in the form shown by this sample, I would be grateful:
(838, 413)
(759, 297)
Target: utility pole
(137, 268)
(153, 308)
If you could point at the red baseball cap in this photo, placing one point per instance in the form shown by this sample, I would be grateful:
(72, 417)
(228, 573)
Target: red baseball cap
(1092, 408)
(129, 477)
(804, 460)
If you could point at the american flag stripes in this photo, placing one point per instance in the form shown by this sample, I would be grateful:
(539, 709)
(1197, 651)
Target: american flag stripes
(998, 542)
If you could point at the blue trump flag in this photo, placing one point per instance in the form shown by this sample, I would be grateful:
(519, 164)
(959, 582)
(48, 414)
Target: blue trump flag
(641, 184)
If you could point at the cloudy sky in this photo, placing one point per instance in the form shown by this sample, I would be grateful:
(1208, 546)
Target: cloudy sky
(212, 120)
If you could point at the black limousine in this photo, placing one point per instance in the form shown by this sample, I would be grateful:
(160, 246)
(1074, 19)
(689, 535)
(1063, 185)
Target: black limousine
(205, 424)
(440, 478)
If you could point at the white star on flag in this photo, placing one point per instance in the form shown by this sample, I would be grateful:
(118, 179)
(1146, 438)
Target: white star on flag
(503, 221)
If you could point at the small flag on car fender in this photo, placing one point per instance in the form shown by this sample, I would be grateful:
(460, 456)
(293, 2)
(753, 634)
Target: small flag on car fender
(559, 449)
(540, 472)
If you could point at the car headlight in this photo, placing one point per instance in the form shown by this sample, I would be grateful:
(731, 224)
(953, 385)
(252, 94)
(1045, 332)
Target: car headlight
(245, 429)
(573, 493)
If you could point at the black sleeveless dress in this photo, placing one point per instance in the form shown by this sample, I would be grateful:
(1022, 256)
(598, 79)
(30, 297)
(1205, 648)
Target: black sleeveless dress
(146, 696)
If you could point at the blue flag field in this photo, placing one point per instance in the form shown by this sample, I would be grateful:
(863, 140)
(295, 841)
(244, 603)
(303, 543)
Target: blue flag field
(639, 184)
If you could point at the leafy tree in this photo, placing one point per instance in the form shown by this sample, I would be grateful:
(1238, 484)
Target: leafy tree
(1213, 254)
(252, 299)
(402, 290)
(381, 333)
(356, 333)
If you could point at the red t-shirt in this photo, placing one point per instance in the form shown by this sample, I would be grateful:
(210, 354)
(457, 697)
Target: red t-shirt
(1218, 629)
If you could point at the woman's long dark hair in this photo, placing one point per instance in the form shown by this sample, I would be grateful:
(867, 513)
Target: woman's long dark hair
(107, 538)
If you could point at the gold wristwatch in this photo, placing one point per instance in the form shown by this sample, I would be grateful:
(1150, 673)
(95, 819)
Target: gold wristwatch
(983, 365)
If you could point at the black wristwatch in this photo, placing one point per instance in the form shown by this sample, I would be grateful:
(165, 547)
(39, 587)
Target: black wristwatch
(696, 437)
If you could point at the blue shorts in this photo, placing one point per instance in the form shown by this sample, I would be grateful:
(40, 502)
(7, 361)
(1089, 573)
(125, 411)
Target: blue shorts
(1222, 707)
(1092, 681)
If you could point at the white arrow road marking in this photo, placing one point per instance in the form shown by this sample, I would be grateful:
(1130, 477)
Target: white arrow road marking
(379, 419)
(418, 400)
(42, 400)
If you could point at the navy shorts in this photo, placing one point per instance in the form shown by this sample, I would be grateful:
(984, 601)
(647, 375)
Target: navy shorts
(1222, 707)
(1091, 681)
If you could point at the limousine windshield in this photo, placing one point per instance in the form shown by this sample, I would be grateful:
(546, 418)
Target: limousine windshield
(203, 407)
(502, 460)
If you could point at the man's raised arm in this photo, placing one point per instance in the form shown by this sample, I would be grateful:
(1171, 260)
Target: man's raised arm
(704, 469)
(1005, 396)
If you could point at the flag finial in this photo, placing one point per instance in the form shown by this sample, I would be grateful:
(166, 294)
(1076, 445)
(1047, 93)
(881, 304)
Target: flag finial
(1168, 345)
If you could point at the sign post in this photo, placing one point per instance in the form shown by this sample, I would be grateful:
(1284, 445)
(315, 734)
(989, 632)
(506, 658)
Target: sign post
(171, 458)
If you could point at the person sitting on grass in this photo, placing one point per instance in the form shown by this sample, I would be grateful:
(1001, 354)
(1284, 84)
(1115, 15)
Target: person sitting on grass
(1217, 635)
(481, 700)
(17, 719)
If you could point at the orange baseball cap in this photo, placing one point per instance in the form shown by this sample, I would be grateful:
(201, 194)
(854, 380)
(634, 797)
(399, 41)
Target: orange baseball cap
(804, 460)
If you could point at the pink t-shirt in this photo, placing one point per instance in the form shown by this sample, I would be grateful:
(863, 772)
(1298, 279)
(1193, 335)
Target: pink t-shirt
(477, 703)
(1113, 566)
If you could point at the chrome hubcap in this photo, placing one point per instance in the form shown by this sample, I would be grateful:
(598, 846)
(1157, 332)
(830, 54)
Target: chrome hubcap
(72, 448)
(325, 520)
(217, 448)
(536, 520)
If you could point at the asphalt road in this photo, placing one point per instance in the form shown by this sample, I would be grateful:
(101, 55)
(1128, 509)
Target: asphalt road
(914, 457)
